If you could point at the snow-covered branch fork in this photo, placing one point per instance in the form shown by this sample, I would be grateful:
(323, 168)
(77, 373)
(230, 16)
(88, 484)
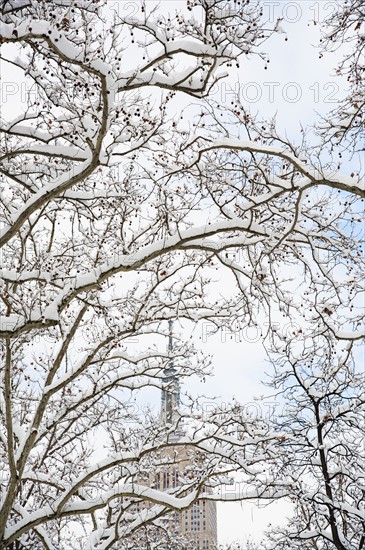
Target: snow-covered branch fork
(117, 216)
(236, 229)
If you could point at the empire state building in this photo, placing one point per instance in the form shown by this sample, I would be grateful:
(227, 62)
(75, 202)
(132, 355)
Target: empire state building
(198, 524)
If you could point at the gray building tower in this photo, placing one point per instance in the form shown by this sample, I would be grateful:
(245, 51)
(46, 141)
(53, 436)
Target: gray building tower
(195, 528)
(199, 523)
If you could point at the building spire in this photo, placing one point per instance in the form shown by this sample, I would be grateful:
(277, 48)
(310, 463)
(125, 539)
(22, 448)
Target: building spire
(171, 325)
(170, 396)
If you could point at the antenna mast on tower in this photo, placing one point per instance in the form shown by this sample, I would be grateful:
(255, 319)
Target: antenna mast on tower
(170, 396)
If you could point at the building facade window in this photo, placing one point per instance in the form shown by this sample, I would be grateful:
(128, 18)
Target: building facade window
(166, 479)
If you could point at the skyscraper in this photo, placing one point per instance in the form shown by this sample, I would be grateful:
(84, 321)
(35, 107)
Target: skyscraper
(199, 523)
(196, 527)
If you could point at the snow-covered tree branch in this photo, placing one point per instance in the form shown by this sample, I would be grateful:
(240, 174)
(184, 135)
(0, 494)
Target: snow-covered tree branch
(124, 194)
